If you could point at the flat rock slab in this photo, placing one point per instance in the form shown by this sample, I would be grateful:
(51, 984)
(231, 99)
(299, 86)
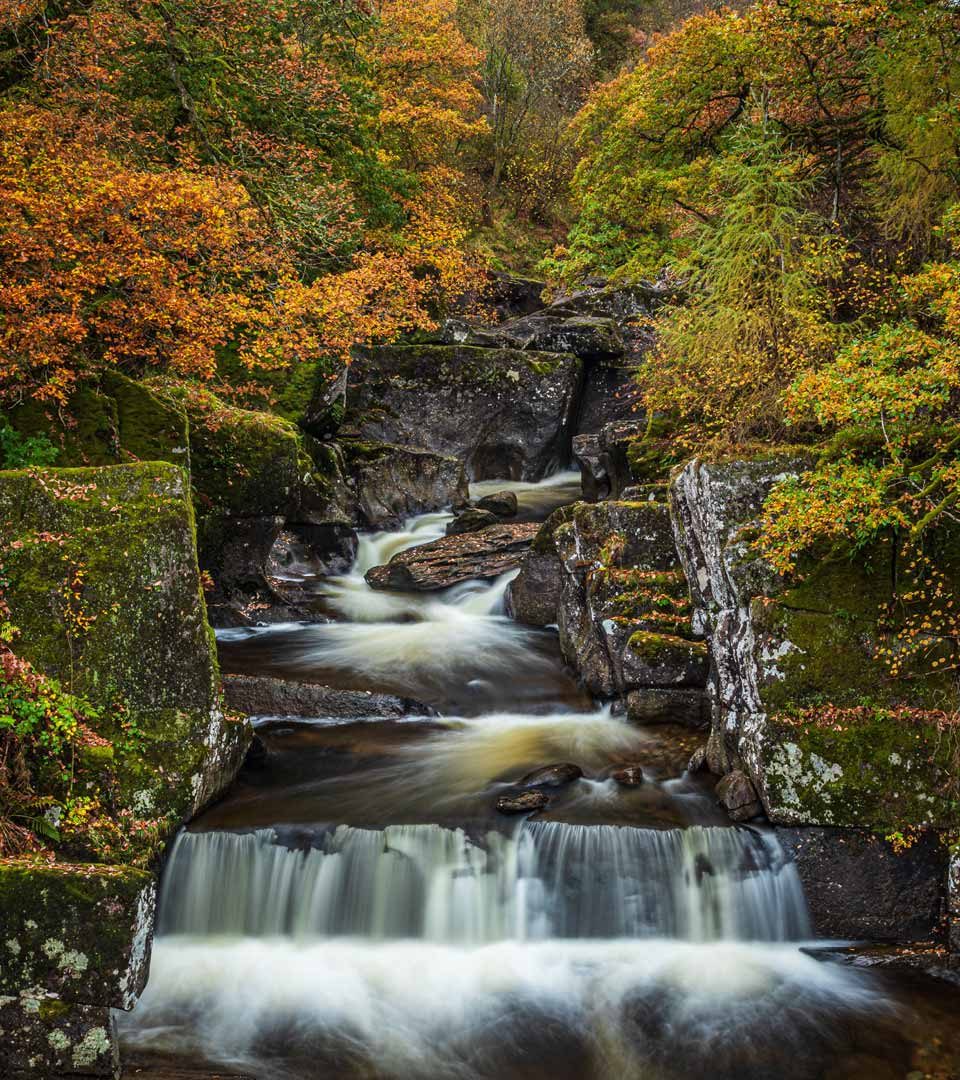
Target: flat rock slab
(477, 556)
(261, 695)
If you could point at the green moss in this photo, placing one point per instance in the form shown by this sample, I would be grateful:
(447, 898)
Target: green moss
(105, 589)
(868, 769)
(658, 649)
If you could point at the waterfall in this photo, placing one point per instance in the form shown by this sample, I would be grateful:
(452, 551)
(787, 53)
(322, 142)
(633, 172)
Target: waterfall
(545, 880)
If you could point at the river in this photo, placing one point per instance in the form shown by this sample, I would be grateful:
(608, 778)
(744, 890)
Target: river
(356, 907)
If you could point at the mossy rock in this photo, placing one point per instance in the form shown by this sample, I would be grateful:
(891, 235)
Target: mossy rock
(81, 932)
(866, 767)
(105, 589)
(112, 420)
(665, 660)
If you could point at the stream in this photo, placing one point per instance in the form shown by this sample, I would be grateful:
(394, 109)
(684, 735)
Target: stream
(356, 906)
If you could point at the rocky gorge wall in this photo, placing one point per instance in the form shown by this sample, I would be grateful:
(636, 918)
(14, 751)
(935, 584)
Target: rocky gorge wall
(841, 754)
(103, 585)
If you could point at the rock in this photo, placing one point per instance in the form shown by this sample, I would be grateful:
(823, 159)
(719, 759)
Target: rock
(260, 695)
(698, 760)
(868, 758)
(453, 559)
(130, 527)
(615, 302)
(505, 413)
(659, 705)
(398, 482)
(618, 564)
(594, 480)
(471, 520)
(858, 886)
(866, 767)
(611, 394)
(45, 1038)
(737, 795)
(664, 660)
(628, 775)
(502, 503)
(82, 932)
(533, 597)
(524, 802)
(552, 776)
(588, 336)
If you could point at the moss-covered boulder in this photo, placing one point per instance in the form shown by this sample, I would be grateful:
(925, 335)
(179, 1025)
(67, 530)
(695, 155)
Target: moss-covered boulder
(80, 932)
(101, 579)
(104, 586)
(109, 421)
(505, 413)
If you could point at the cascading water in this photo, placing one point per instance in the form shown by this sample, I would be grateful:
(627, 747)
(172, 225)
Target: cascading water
(428, 939)
(544, 880)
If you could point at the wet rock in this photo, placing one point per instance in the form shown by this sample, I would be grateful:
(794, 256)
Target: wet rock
(592, 338)
(737, 795)
(260, 695)
(664, 660)
(628, 775)
(552, 776)
(524, 802)
(858, 886)
(454, 559)
(698, 760)
(594, 480)
(610, 394)
(397, 482)
(658, 705)
(533, 597)
(505, 413)
(471, 520)
(502, 503)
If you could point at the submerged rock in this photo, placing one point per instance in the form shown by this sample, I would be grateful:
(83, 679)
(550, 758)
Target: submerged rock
(502, 503)
(552, 776)
(453, 559)
(505, 413)
(524, 802)
(471, 520)
(260, 695)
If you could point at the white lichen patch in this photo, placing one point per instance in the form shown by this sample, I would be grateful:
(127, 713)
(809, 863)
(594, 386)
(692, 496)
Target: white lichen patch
(13, 946)
(70, 961)
(94, 1044)
(771, 655)
(798, 781)
(58, 1041)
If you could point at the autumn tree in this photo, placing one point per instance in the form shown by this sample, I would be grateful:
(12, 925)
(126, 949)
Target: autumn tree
(537, 63)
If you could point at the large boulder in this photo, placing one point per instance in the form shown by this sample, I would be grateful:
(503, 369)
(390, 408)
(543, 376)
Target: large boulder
(397, 482)
(103, 584)
(506, 413)
(860, 886)
(608, 575)
(474, 556)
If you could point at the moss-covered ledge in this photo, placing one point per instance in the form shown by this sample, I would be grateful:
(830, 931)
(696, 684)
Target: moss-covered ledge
(870, 767)
(80, 931)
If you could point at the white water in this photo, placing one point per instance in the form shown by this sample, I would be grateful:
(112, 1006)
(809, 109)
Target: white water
(545, 880)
